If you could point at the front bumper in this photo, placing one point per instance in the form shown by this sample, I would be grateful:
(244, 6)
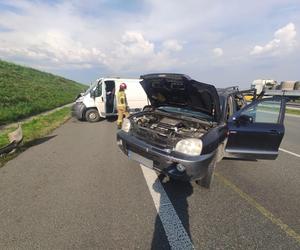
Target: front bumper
(165, 161)
(78, 110)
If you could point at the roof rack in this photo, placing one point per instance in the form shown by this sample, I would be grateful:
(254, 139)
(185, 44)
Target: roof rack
(290, 93)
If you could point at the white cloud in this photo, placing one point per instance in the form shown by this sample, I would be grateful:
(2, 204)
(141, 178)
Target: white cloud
(218, 52)
(134, 44)
(146, 35)
(134, 52)
(62, 39)
(56, 49)
(172, 45)
(284, 41)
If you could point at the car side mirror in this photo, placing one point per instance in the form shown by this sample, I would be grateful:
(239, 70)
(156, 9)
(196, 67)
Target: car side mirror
(243, 119)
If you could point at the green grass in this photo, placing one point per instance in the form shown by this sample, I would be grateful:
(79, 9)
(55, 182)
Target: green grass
(38, 127)
(25, 92)
(293, 111)
(35, 129)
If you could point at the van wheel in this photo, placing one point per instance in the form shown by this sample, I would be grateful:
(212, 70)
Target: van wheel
(207, 180)
(92, 115)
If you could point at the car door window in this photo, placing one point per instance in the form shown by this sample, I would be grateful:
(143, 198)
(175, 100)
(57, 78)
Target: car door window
(264, 112)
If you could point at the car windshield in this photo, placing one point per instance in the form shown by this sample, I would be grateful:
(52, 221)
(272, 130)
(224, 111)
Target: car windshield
(186, 112)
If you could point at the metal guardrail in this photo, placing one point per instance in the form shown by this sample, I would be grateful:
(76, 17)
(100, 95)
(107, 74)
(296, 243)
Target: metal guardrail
(289, 93)
(293, 104)
(292, 94)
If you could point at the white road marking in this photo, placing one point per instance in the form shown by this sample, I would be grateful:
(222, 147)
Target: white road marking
(289, 152)
(177, 236)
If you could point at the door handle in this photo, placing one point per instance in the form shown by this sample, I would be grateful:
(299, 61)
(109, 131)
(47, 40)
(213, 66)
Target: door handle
(274, 132)
(102, 99)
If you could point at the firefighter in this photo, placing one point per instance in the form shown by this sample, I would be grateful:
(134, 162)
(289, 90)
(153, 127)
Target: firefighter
(122, 104)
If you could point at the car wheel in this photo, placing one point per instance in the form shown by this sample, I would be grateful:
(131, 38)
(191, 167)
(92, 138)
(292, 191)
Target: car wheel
(92, 115)
(207, 180)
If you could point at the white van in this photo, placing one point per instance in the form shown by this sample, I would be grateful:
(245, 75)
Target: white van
(263, 84)
(100, 99)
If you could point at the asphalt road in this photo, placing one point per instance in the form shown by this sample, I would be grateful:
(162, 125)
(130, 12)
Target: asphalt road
(76, 190)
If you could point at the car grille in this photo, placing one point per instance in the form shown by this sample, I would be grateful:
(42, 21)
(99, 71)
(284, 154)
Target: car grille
(153, 138)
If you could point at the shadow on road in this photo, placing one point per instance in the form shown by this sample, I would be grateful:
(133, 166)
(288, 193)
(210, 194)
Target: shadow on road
(112, 118)
(238, 159)
(24, 147)
(178, 192)
(36, 142)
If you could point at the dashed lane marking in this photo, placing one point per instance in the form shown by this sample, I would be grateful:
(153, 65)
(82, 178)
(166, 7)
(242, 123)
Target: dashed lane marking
(284, 227)
(177, 236)
(289, 152)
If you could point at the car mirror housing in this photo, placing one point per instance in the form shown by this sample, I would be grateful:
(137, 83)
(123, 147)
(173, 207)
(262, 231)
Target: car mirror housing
(243, 119)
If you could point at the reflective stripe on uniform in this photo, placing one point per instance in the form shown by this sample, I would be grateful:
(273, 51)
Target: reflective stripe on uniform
(121, 98)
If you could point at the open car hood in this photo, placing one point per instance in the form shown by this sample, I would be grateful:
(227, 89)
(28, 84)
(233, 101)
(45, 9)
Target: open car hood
(178, 90)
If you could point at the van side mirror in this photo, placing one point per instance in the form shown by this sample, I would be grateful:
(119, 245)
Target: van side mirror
(93, 93)
(243, 119)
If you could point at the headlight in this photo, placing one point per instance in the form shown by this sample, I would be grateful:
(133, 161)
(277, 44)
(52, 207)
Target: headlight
(126, 125)
(190, 146)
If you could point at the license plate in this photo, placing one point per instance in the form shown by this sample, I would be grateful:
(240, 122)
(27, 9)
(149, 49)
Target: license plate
(140, 159)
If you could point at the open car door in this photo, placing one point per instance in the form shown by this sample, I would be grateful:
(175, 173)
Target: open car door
(256, 131)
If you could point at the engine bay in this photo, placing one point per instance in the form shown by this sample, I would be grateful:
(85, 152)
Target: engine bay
(166, 129)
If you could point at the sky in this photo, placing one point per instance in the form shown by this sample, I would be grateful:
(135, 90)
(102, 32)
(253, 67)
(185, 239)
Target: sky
(220, 42)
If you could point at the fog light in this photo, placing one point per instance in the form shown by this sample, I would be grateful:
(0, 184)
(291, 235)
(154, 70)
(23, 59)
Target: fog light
(126, 125)
(180, 167)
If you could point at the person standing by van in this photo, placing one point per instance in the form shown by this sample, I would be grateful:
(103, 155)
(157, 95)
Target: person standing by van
(122, 104)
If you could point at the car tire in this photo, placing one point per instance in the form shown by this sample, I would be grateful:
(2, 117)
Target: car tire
(207, 180)
(92, 115)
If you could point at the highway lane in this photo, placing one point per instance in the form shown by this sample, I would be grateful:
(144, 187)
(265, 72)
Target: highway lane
(76, 190)
(275, 184)
(291, 140)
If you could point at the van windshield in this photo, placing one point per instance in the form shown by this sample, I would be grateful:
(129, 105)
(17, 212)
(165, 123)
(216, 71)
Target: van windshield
(91, 87)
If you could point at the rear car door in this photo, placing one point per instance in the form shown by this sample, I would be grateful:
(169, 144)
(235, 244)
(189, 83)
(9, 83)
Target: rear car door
(256, 131)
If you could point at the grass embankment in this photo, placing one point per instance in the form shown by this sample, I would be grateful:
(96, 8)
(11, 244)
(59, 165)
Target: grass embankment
(25, 92)
(293, 111)
(35, 130)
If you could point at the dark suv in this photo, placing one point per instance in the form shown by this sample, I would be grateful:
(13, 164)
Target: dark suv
(190, 126)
